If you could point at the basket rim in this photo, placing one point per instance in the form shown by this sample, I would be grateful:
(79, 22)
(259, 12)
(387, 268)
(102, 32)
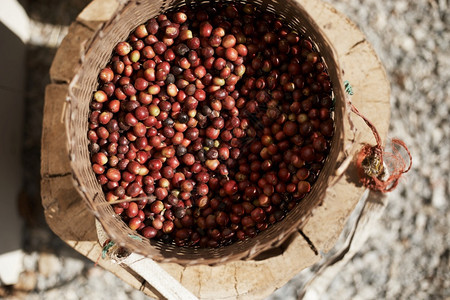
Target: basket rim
(200, 252)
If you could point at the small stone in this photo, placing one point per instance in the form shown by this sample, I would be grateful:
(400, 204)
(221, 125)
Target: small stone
(420, 33)
(49, 264)
(11, 265)
(27, 281)
(30, 261)
(421, 221)
(438, 198)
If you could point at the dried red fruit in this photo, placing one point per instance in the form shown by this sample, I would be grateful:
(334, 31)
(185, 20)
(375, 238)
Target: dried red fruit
(219, 123)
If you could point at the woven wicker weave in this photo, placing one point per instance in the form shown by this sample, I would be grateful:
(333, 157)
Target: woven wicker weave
(97, 54)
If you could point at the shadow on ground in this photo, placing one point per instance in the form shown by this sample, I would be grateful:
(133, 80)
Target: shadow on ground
(50, 14)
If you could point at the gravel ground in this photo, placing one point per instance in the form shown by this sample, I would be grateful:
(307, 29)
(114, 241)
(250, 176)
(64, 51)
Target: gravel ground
(407, 257)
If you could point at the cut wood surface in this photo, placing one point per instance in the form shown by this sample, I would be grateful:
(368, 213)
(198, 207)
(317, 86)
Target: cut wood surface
(69, 217)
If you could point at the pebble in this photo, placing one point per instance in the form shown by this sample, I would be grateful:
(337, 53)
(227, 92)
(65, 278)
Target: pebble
(407, 43)
(27, 281)
(439, 199)
(48, 264)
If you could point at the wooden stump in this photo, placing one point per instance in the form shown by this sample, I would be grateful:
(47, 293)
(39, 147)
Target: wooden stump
(68, 216)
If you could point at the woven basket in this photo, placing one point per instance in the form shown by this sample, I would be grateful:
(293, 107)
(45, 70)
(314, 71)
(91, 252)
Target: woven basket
(96, 56)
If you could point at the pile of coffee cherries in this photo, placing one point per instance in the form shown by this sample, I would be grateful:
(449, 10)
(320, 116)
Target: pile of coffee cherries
(218, 120)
